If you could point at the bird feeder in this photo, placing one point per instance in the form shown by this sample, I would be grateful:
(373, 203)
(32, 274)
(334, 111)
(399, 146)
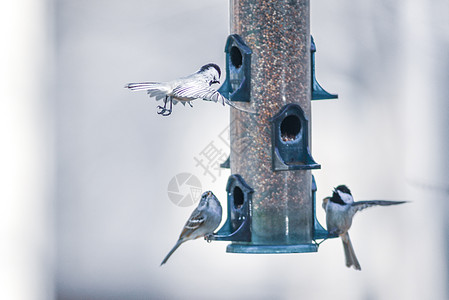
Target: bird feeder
(270, 70)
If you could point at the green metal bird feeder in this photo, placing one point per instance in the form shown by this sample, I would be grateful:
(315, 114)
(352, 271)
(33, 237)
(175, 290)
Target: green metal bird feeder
(270, 70)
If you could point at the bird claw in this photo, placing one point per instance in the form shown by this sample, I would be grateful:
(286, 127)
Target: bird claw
(208, 238)
(163, 111)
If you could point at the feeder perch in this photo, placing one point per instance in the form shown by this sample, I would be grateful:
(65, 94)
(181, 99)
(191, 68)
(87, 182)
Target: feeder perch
(237, 226)
(238, 70)
(319, 233)
(226, 164)
(290, 140)
(318, 93)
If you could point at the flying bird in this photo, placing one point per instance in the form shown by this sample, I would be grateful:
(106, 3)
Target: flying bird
(186, 89)
(340, 209)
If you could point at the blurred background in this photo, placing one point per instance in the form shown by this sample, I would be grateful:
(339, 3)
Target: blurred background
(85, 164)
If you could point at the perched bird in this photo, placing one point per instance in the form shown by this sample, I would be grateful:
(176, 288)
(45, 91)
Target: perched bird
(186, 89)
(340, 209)
(202, 222)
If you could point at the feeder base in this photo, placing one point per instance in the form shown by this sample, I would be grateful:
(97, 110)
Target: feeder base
(270, 249)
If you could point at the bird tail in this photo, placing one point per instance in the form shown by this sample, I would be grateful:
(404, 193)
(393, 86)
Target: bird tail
(351, 259)
(239, 108)
(158, 90)
(178, 243)
(140, 86)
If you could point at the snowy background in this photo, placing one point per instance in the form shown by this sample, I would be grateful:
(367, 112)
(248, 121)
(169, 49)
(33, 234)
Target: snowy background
(85, 164)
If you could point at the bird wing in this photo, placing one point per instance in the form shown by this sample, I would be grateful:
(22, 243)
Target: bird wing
(325, 201)
(360, 205)
(206, 93)
(195, 221)
(194, 91)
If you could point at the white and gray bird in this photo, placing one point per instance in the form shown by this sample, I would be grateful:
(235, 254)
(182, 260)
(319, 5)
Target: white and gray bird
(340, 209)
(186, 89)
(202, 222)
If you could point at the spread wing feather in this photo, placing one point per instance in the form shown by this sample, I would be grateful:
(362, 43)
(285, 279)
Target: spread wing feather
(158, 90)
(360, 205)
(205, 93)
(198, 92)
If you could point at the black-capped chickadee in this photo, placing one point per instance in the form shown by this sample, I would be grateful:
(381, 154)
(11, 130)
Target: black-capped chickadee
(186, 89)
(202, 222)
(340, 209)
